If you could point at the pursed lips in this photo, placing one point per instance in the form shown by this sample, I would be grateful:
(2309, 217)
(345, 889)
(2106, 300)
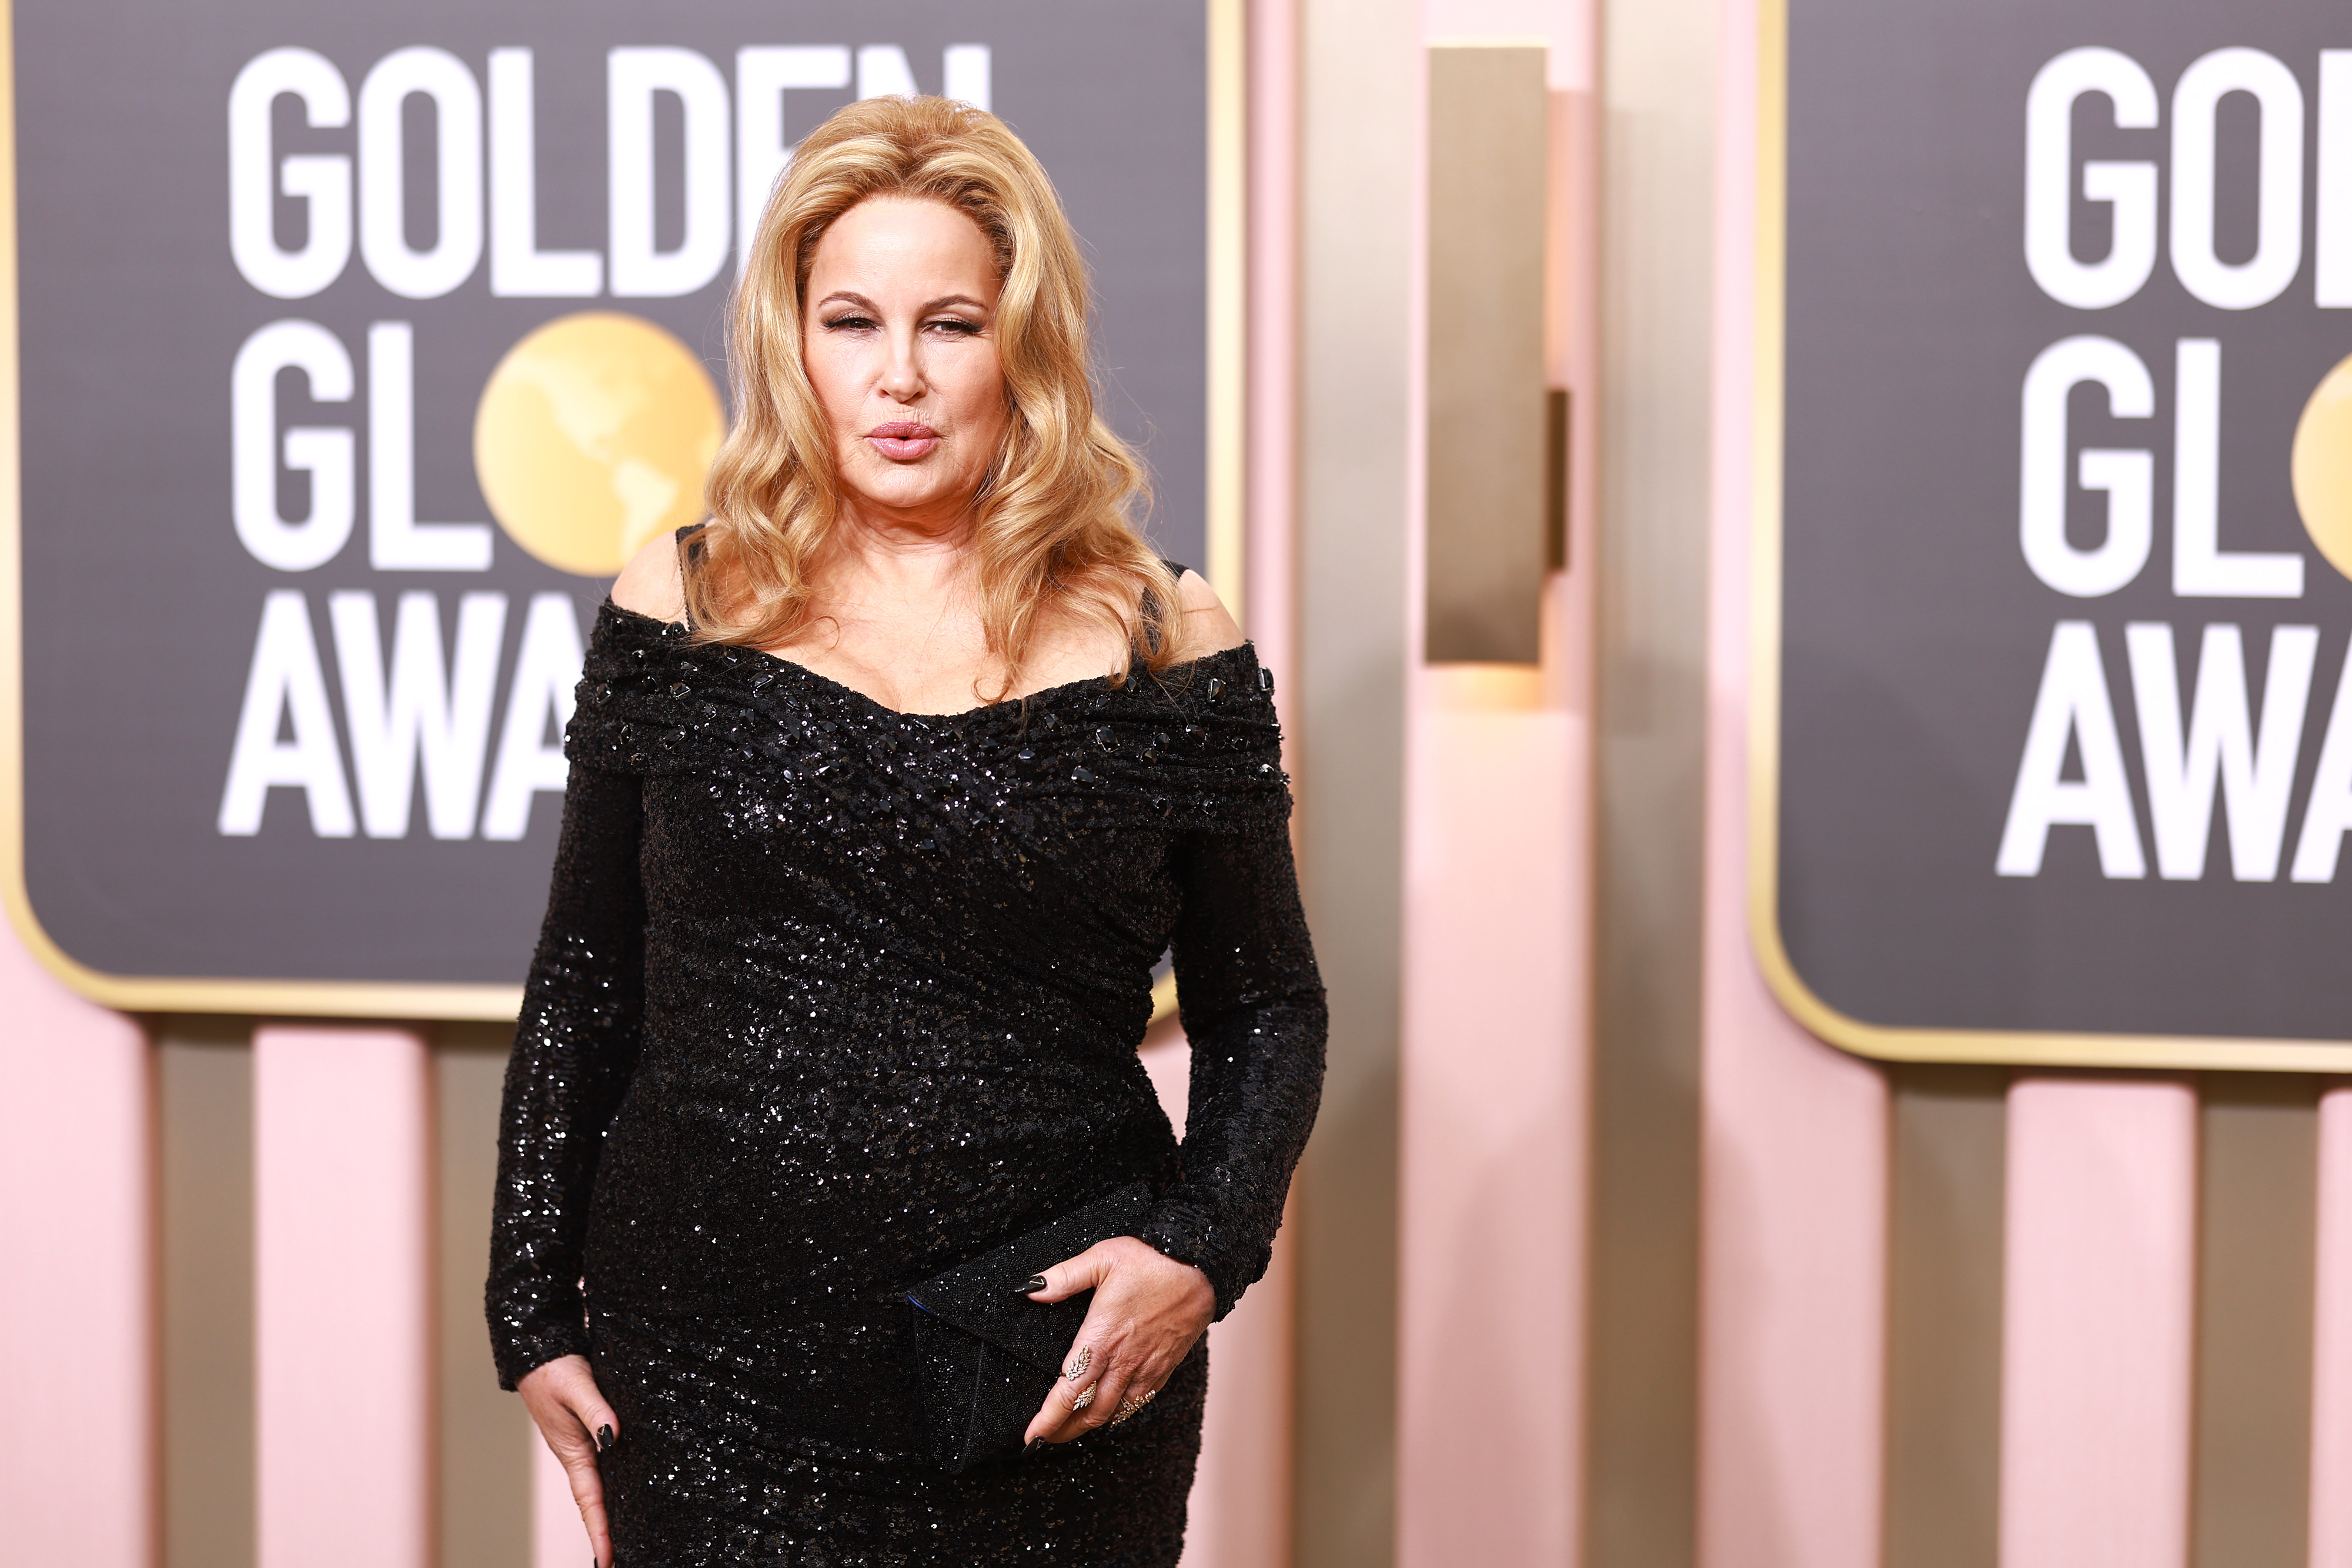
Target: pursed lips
(903, 440)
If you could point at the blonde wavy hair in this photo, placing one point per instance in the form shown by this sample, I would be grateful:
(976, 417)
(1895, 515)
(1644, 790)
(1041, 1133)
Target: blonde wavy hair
(1052, 525)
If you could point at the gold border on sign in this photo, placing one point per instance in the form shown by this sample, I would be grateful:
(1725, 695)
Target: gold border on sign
(1228, 277)
(1227, 206)
(2025, 1048)
(1228, 326)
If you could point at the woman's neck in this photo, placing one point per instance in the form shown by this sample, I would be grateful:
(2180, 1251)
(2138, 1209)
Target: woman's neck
(897, 558)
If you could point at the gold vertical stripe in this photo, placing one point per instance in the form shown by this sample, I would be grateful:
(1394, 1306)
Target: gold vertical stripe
(204, 1166)
(2257, 1259)
(1769, 337)
(12, 549)
(1946, 1188)
(485, 1436)
(1228, 299)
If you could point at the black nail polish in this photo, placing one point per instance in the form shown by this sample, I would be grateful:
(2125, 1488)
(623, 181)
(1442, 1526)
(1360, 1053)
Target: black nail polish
(1037, 1283)
(604, 1438)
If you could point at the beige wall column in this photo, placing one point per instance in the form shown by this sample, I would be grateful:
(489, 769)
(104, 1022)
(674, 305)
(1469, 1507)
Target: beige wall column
(1657, 86)
(1359, 98)
(203, 1105)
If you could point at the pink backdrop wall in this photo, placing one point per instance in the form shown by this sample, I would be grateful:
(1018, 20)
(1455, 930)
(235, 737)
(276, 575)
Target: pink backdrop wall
(78, 1477)
(2102, 1216)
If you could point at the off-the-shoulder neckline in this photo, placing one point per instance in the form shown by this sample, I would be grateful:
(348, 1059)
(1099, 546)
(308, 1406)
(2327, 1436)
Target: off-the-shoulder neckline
(1013, 703)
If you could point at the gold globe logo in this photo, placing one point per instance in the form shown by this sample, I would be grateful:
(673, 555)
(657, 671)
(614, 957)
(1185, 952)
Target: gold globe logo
(2322, 467)
(593, 436)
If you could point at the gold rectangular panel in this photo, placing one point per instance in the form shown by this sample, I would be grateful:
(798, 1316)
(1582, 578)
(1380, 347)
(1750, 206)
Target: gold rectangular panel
(1489, 458)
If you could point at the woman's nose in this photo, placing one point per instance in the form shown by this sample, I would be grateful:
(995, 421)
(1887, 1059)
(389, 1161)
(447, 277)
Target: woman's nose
(902, 377)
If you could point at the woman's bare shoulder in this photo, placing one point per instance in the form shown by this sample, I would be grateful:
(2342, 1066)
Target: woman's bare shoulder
(1209, 627)
(649, 584)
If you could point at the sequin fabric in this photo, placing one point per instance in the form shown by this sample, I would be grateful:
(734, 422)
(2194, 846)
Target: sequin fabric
(830, 998)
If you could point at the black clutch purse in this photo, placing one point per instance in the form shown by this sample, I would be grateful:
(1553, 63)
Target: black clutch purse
(986, 1353)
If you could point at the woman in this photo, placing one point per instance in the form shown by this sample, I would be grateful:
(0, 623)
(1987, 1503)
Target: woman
(889, 786)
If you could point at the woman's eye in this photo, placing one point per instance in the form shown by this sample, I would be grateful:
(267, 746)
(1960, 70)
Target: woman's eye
(849, 324)
(961, 328)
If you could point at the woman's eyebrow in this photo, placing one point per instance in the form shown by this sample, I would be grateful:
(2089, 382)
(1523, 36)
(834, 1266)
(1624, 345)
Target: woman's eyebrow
(851, 296)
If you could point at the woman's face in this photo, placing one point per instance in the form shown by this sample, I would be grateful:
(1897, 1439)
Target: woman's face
(899, 340)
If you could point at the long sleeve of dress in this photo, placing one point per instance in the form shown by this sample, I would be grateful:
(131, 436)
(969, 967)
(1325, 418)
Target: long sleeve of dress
(1254, 1011)
(575, 1047)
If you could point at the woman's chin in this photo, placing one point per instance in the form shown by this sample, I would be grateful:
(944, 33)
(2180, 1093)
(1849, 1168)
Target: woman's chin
(910, 497)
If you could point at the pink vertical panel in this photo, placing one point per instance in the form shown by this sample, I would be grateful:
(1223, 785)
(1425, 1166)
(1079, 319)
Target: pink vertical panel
(2331, 1356)
(1240, 1507)
(1793, 1133)
(2097, 1325)
(1793, 1267)
(1240, 1504)
(558, 1539)
(1493, 1133)
(77, 1309)
(342, 1227)
(1167, 1059)
(1494, 1053)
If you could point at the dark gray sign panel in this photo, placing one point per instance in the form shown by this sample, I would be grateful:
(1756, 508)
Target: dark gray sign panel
(2060, 769)
(358, 345)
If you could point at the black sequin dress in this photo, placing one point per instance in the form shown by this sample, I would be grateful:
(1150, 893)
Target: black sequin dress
(832, 997)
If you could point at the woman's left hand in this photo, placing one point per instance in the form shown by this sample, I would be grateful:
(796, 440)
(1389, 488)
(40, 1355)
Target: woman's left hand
(1148, 1311)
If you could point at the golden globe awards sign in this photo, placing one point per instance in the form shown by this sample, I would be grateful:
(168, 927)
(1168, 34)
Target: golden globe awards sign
(358, 347)
(2058, 527)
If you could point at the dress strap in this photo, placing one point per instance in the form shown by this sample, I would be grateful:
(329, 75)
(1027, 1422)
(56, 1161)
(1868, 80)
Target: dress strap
(1176, 568)
(689, 557)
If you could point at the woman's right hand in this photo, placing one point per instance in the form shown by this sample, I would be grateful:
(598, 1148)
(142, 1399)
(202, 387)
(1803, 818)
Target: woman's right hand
(561, 1397)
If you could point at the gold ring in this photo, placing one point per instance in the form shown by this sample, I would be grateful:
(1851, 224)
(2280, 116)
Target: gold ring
(1080, 1361)
(1085, 1397)
(1133, 1403)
